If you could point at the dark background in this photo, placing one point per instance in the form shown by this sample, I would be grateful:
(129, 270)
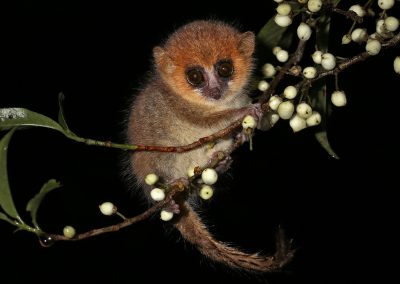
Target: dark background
(340, 213)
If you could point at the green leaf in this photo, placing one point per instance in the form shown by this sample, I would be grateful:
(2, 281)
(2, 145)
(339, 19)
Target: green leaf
(322, 138)
(322, 33)
(318, 92)
(13, 117)
(6, 201)
(5, 218)
(271, 34)
(61, 117)
(319, 97)
(34, 203)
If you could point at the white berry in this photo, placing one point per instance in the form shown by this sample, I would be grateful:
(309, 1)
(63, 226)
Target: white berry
(276, 49)
(282, 55)
(328, 61)
(69, 232)
(268, 70)
(263, 85)
(317, 56)
(278, 1)
(290, 92)
(304, 110)
(273, 118)
(381, 27)
(310, 72)
(373, 36)
(338, 98)
(249, 122)
(358, 10)
(285, 110)
(359, 35)
(157, 194)
(373, 47)
(304, 31)
(314, 5)
(385, 4)
(282, 21)
(391, 23)
(314, 119)
(396, 64)
(166, 215)
(206, 192)
(107, 208)
(274, 102)
(209, 176)
(346, 39)
(151, 179)
(297, 123)
(284, 9)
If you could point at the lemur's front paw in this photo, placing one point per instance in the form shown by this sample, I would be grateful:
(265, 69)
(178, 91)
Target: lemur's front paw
(173, 207)
(265, 119)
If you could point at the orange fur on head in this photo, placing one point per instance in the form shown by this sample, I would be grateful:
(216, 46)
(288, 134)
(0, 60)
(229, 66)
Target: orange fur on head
(204, 43)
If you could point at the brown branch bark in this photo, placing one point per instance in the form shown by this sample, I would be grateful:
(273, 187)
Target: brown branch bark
(113, 228)
(179, 149)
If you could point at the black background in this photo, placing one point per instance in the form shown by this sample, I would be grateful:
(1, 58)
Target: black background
(340, 213)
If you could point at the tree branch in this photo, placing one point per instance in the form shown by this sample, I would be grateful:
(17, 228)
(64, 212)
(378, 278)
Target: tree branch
(394, 41)
(179, 149)
(127, 222)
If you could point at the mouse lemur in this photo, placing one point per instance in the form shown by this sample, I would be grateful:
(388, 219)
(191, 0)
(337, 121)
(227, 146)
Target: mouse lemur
(197, 88)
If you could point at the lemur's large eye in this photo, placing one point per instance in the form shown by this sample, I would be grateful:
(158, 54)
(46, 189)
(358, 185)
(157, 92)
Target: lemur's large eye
(195, 77)
(225, 69)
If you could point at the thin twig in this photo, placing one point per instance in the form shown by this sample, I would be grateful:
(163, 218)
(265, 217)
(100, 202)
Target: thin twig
(127, 222)
(179, 149)
(348, 14)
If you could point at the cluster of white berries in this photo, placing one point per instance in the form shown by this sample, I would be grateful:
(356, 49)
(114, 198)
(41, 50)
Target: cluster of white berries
(209, 176)
(283, 17)
(385, 27)
(326, 60)
(158, 194)
(301, 116)
(280, 54)
(284, 10)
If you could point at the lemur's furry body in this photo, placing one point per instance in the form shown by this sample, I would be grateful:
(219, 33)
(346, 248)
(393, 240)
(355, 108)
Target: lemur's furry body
(198, 88)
